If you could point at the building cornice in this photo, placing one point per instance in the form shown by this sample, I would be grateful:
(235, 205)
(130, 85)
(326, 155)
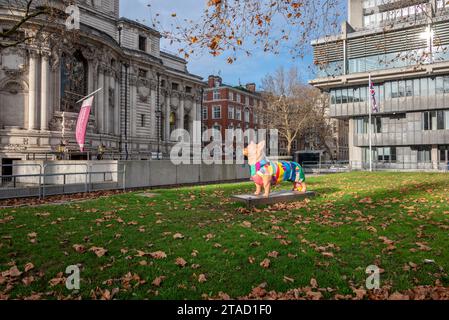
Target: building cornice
(256, 95)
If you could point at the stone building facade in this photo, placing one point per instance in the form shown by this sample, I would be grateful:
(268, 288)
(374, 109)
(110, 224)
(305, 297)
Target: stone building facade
(146, 93)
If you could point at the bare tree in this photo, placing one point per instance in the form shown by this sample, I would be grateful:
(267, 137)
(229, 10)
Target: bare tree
(321, 128)
(290, 104)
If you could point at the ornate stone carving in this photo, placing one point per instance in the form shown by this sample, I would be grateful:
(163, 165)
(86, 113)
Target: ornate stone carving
(13, 60)
(70, 120)
(13, 87)
(14, 74)
(16, 147)
(143, 92)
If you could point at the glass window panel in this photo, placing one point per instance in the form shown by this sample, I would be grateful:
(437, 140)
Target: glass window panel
(393, 154)
(378, 124)
(394, 89)
(387, 90)
(446, 116)
(338, 96)
(416, 88)
(439, 85)
(446, 84)
(424, 87)
(440, 120)
(425, 121)
(381, 92)
(401, 88)
(364, 93)
(409, 88)
(344, 96)
(433, 115)
(431, 86)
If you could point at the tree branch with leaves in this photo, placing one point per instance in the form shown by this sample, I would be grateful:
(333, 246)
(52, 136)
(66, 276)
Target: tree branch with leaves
(30, 20)
(232, 26)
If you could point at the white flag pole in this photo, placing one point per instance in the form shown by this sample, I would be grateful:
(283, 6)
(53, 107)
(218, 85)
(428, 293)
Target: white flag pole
(89, 95)
(369, 126)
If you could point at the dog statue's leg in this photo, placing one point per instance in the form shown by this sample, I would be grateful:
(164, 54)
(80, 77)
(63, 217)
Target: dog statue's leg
(258, 189)
(267, 185)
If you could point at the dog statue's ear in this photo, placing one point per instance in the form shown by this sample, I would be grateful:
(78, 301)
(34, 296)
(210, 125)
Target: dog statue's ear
(261, 145)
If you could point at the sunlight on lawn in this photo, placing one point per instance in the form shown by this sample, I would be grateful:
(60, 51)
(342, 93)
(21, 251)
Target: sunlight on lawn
(193, 243)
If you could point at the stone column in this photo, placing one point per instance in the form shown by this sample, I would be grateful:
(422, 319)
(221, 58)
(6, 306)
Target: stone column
(153, 112)
(90, 77)
(181, 112)
(194, 115)
(196, 132)
(106, 102)
(117, 108)
(45, 82)
(167, 117)
(100, 101)
(111, 111)
(132, 106)
(32, 91)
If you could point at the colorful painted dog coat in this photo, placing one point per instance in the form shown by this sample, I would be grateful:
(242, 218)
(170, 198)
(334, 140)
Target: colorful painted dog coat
(279, 172)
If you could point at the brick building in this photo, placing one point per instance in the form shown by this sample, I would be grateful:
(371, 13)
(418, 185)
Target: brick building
(230, 107)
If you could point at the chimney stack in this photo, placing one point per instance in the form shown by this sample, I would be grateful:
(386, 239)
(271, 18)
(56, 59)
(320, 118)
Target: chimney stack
(251, 87)
(213, 80)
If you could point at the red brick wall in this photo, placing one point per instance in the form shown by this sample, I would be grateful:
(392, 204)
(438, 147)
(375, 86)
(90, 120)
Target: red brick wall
(224, 102)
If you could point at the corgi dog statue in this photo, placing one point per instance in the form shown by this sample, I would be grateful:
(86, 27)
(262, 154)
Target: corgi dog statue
(266, 173)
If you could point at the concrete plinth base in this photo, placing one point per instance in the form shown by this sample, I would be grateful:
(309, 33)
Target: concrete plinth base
(275, 197)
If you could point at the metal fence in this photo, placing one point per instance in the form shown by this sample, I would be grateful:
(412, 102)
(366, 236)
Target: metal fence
(348, 166)
(37, 180)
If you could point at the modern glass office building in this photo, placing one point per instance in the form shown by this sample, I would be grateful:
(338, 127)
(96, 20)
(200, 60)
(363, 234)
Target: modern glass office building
(404, 46)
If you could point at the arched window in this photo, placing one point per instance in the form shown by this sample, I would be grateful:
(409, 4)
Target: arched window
(74, 76)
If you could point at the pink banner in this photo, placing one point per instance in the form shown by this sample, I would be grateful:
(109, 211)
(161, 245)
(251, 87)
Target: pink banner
(83, 120)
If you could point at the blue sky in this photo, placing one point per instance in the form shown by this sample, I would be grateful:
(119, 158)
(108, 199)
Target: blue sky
(246, 69)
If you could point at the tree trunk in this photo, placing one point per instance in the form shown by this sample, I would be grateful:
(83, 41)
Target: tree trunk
(289, 148)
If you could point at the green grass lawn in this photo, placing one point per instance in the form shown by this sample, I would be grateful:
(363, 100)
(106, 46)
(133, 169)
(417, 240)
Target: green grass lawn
(392, 220)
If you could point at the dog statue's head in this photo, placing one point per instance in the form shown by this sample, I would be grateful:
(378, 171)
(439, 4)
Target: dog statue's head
(255, 152)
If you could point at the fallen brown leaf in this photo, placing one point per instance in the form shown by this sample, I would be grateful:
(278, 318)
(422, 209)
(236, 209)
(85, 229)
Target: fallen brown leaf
(265, 263)
(100, 252)
(202, 278)
(180, 262)
(157, 282)
(158, 255)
